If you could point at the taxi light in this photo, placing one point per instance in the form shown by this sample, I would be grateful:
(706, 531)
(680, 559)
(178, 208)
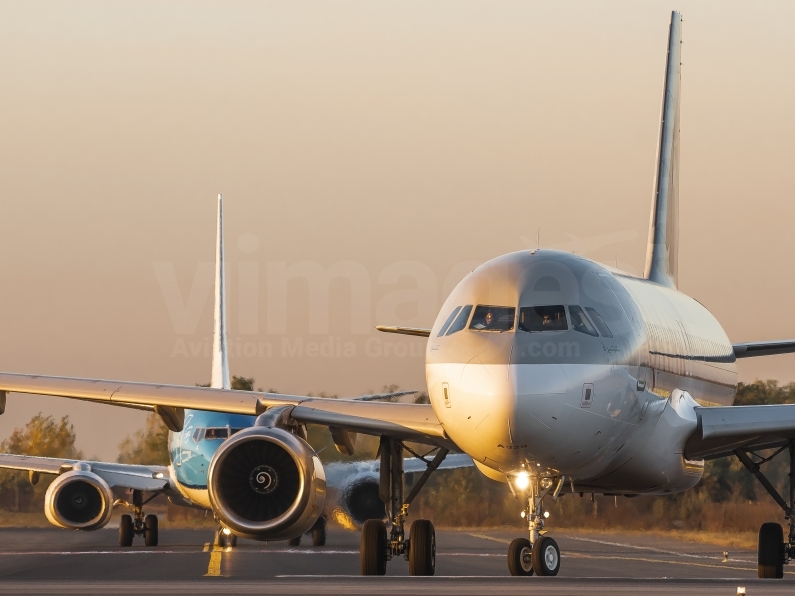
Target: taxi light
(522, 480)
(546, 514)
(227, 531)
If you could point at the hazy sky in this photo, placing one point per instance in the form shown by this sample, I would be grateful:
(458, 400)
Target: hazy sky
(380, 138)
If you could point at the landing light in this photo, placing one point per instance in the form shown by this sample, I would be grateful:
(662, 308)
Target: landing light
(227, 531)
(522, 480)
(546, 514)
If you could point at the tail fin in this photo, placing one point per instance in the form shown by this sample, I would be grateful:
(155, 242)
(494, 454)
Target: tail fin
(220, 378)
(663, 250)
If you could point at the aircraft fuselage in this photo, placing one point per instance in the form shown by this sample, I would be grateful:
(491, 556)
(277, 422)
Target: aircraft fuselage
(574, 373)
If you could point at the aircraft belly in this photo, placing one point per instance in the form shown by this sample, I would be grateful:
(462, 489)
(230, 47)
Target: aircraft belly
(197, 496)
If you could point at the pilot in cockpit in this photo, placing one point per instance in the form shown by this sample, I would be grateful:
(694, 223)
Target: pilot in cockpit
(485, 323)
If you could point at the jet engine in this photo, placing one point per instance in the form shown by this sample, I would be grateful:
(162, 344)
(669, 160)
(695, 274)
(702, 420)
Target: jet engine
(360, 499)
(78, 500)
(266, 484)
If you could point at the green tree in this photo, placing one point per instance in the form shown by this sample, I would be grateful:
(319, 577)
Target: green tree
(148, 446)
(42, 436)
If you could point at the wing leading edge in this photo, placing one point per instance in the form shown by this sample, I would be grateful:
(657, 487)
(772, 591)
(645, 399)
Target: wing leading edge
(722, 430)
(415, 422)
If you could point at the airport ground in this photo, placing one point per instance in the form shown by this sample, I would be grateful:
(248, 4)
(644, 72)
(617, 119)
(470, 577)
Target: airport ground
(39, 561)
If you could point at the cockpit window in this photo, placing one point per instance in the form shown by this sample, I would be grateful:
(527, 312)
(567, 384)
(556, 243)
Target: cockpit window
(493, 318)
(580, 322)
(448, 321)
(542, 318)
(219, 433)
(599, 322)
(461, 320)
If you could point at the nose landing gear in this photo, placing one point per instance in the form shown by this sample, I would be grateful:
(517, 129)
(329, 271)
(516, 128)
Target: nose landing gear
(540, 553)
(137, 524)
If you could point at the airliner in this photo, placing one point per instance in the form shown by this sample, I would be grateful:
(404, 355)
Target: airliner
(71, 500)
(558, 375)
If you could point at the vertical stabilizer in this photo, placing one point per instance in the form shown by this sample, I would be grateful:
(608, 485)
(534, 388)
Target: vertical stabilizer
(220, 378)
(663, 250)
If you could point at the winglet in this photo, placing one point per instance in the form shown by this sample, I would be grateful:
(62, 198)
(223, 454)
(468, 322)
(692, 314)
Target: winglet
(220, 377)
(662, 253)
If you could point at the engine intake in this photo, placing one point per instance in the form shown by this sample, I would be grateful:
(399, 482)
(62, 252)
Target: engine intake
(266, 484)
(78, 500)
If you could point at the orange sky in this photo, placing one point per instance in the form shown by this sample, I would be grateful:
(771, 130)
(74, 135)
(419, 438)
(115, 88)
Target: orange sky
(393, 136)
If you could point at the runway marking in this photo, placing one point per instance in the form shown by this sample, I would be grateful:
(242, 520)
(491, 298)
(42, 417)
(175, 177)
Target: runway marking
(623, 545)
(214, 567)
(644, 560)
(484, 537)
(652, 549)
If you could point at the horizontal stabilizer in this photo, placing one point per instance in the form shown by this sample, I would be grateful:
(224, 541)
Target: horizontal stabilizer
(764, 348)
(405, 330)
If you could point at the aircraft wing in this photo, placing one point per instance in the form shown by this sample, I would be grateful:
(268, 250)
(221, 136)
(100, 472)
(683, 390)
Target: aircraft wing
(764, 348)
(414, 422)
(148, 478)
(723, 429)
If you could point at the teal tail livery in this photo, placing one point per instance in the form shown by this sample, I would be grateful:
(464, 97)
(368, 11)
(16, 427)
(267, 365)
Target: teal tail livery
(556, 374)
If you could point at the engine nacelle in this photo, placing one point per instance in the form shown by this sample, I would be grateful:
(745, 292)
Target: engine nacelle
(266, 484)
(360, 500)
(78, 500)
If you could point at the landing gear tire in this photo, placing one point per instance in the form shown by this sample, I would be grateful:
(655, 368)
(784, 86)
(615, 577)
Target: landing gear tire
(372, 549)
(520, 559)
(771, 551)
(422, 548)
(150, 530)
(319, 532)
(126, 530)
(294, 541)
(545, 556)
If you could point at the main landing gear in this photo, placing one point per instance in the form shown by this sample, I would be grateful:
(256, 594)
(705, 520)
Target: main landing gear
(377, 548)
(539, 553)
(774, 551)
(137, 524)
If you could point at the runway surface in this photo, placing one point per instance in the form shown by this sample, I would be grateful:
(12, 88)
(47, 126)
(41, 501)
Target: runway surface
(35, 561)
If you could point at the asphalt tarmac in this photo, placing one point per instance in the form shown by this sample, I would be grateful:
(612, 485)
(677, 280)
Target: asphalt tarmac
(36, 561)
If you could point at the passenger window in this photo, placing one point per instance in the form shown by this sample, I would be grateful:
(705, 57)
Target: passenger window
(461, 321)
(599, 322)
(216, 433)
(542, 318)
(448, 321)
(493, 318)
(580, 322)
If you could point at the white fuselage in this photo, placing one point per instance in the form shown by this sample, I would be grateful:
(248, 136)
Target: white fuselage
(595, 379)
